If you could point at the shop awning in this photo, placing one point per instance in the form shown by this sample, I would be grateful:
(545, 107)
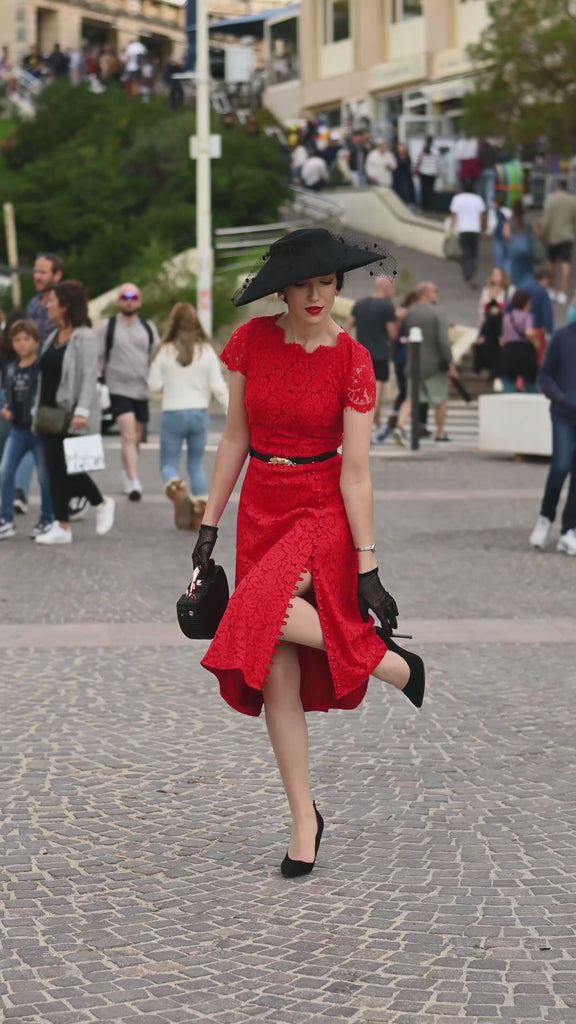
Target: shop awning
(251, 24)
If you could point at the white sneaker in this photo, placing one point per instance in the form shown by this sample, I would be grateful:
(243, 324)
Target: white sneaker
(399, 436)
(562, 298)
(567, 543)
(55, 535)
(552, 294)
(539, 535)
(6, 529)
(105, 516)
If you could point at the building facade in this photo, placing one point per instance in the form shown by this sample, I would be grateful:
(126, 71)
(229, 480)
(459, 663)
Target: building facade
(159, 24)
(401, 63)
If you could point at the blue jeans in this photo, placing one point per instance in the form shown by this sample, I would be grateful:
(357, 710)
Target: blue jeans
(26, 467)
(177, 426)
(501, 254)
(18, 444)
(509, 386)
(563, 462)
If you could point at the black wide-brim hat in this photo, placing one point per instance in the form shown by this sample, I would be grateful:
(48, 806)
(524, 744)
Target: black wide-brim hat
(306, 253)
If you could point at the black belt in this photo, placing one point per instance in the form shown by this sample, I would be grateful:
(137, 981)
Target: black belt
(294, 460)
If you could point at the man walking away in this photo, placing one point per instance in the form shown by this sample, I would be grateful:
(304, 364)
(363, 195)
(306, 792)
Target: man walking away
(374, 321)
(435, 359)
(468, 220)
(540, 308)
(125, 344)
(559, 231)
(558, 382)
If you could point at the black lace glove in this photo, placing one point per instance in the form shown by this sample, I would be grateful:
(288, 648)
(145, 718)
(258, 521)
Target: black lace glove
(371, 595)
(207, 537)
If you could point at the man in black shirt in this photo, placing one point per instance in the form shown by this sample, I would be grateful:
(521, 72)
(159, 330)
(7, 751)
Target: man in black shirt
(374, 321)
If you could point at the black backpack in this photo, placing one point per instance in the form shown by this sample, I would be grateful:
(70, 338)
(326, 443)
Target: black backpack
(110, 339)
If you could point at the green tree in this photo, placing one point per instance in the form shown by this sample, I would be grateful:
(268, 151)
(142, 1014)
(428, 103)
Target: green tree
(101, 178)
(526, 74)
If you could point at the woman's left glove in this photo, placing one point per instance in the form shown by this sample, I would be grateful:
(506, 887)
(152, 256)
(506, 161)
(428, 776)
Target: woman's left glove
(207, 537)
(371, 595)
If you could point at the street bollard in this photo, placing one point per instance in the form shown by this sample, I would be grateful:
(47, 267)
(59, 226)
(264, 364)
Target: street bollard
(415, 341)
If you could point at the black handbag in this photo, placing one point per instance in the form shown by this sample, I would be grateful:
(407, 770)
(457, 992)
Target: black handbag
(201, 608)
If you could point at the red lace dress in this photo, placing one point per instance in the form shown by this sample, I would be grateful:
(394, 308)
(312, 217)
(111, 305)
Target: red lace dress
(292, 518)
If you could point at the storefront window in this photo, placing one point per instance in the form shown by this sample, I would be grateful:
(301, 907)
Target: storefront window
(336, 20)
(403, 10)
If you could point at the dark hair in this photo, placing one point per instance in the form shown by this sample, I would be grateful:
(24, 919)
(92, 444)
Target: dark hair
(411, 298)
(6, 349)
(73, 297)
(518, 212)
(562, 184)
(24, 327)
(520, 299)
(541, 272)
(54, 260)
(468, 186)
(339, 280)
(428, 144)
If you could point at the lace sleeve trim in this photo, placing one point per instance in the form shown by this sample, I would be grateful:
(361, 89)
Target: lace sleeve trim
(360, 391)
(235, 353)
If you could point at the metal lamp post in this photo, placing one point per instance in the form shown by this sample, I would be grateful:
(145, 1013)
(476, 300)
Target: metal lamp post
(415, 340)
(203, 171)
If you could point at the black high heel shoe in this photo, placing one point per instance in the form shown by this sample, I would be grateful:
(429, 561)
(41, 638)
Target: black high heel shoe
(414, 688)
(294, 868)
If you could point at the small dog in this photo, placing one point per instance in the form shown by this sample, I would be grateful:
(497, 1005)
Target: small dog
(188, 511)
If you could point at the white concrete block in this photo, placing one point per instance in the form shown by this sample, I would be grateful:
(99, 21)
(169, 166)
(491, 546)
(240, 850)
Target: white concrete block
(519, 424)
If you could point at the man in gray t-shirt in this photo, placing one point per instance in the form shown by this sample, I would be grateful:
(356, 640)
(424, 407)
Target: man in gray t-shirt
(436, 364)
(126, 342)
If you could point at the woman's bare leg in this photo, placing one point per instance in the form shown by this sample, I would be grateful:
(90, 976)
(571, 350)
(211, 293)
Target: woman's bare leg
(288, 732)
(302, 626)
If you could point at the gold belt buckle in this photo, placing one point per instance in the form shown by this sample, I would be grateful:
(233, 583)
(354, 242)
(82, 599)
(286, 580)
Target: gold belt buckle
(277, 461)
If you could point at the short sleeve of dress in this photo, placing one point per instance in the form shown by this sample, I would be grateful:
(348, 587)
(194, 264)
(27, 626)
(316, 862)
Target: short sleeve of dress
(235, 353)
(360, 384)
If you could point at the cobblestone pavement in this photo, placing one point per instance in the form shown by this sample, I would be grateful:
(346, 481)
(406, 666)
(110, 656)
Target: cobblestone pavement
(142, 821)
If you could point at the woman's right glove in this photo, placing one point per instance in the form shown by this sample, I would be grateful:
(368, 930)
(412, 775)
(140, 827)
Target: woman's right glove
(371, 595)
(207, 537)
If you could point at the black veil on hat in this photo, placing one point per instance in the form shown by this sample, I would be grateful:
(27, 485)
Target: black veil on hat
(311, 252)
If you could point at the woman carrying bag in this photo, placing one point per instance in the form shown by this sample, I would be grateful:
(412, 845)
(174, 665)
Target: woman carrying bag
(68, 405)
(297, 635)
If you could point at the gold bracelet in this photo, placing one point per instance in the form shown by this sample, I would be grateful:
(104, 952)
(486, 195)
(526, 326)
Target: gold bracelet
(368, 547)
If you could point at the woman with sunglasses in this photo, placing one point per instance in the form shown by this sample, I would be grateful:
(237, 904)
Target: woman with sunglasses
(297, 635)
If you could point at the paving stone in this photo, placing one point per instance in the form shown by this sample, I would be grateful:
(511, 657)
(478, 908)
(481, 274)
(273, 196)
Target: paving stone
(143, 822)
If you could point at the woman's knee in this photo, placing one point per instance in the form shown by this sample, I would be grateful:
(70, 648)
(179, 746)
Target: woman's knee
(283, 677)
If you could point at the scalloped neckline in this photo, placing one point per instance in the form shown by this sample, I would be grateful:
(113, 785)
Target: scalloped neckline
(297, 345)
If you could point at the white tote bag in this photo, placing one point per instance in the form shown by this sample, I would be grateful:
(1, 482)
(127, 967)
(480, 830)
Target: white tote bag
(83, 454)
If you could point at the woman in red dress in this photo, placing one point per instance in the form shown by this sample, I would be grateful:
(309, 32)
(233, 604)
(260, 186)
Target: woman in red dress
(297, 635)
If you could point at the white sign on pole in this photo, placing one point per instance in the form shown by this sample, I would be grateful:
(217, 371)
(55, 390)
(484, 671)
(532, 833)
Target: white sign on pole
(215, 147)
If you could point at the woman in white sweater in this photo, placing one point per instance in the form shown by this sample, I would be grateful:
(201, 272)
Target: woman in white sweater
(187, 371)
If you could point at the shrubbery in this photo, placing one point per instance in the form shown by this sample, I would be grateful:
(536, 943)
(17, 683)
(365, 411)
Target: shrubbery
(99, 178)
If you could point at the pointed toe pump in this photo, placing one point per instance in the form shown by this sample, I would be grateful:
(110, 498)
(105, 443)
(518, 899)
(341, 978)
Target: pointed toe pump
(295, 868)
(415, 686)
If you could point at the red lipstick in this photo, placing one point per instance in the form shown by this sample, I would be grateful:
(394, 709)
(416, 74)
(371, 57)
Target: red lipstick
(314, 310)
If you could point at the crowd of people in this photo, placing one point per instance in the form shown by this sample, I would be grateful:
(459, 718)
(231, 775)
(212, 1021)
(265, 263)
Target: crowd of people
(58, 375)
(136, 70)
(341, 158)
